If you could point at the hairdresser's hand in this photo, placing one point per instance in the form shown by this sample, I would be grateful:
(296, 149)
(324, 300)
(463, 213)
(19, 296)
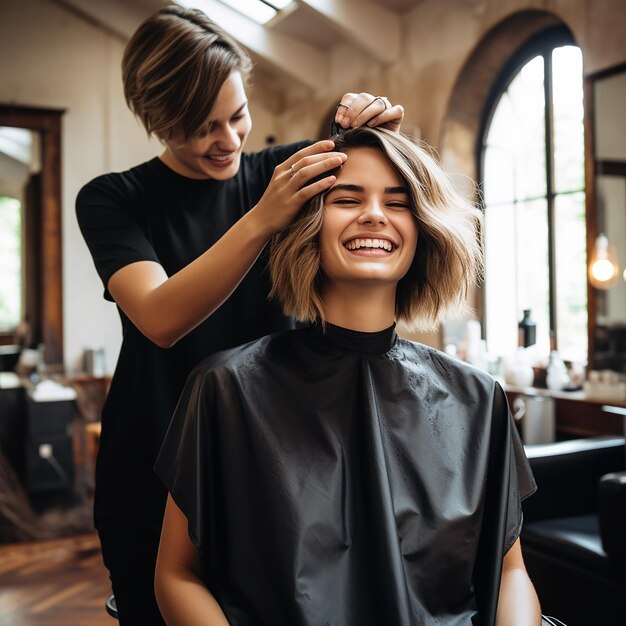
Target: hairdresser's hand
(288, 189)
(360, 109)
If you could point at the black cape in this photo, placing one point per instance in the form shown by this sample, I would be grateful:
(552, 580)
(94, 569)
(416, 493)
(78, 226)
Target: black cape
(347, 478)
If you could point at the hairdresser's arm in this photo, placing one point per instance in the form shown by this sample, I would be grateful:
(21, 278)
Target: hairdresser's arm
(182, 597)
(517, 604)
(166, 308)
(364, 109)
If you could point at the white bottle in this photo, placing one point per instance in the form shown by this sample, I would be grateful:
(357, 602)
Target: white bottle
(557, 377)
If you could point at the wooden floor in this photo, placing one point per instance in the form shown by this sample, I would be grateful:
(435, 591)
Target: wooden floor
(54, 583)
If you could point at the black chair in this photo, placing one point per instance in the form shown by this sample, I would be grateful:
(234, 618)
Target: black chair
(574, 533)
(9, 356)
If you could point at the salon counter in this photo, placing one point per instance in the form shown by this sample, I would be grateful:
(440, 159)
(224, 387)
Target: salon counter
(575, 414)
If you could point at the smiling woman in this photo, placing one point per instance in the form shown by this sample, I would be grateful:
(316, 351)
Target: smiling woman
(387, 185)
(337, 473)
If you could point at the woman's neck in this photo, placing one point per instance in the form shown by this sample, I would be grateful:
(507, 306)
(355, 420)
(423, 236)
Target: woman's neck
(360, 307)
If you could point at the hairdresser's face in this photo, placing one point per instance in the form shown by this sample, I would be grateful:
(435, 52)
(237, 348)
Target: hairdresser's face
(215, 150)
(369, 233)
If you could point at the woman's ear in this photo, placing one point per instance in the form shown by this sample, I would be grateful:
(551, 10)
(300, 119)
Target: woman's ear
(167, 135)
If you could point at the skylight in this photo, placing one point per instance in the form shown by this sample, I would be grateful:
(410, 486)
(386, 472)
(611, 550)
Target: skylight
(260, 11)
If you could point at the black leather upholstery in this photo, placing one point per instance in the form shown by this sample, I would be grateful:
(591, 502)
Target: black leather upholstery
(575, 530)
(613, 515)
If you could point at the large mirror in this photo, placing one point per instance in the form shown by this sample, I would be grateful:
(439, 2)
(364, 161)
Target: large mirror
(606, 211)
(30, 216)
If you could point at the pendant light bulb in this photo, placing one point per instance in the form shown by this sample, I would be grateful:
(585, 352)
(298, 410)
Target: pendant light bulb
(603, 268)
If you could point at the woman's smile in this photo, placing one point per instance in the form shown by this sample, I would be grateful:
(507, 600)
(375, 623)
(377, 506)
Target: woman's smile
(370, 246)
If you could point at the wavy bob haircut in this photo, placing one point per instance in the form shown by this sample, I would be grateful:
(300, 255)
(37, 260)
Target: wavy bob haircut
(174, 67)
(448, 257)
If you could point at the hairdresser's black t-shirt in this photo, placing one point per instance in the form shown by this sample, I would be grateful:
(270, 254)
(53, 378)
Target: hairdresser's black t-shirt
(150, 213)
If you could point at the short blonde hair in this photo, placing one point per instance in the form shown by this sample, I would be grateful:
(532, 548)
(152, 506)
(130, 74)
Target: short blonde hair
(448, 257)
(173, 68)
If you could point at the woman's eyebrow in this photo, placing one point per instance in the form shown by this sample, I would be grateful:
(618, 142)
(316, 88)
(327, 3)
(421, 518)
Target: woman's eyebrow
(396, 190)
(346, 187)
(360, 189)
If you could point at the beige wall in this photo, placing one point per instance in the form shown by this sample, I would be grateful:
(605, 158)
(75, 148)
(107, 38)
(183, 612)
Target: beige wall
(438, 38)
(54, 58)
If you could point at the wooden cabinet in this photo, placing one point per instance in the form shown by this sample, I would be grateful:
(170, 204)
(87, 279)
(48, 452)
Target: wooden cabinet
(36, 438)
(583, 418)
(49, 457)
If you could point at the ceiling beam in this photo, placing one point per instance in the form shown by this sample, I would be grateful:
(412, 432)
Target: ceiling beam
(368, 25)
(300, 60)
(116, 16)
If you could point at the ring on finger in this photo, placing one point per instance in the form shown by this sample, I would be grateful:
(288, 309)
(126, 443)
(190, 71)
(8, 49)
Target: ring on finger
(345, 106)
(384, 100)
(292, 171)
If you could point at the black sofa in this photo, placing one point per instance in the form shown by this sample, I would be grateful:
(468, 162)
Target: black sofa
(574, 533)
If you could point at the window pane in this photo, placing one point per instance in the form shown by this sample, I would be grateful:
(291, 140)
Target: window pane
(516, 264)
(515, 147)
(500, 291)
(533, 267)
(527, 95)
(499, 181)
(567, 83)
(571, 276)
(10, 262)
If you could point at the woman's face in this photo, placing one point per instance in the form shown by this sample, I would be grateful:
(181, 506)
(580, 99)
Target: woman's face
(215, 150)
(369, 233)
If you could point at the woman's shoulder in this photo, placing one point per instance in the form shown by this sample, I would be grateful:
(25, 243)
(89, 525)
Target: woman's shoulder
(122, 183)
(250, 358)
(445, 366)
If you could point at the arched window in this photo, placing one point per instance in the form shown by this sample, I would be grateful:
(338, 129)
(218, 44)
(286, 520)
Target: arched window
(534, 199)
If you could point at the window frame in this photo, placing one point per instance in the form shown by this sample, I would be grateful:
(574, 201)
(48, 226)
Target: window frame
(542, 43)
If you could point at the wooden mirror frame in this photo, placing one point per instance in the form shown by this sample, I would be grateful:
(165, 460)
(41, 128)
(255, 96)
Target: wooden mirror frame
(590, 198)
(48, 293)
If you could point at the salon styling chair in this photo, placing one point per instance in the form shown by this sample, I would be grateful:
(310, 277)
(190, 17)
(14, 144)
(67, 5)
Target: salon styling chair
(574, 532)
(111, 606)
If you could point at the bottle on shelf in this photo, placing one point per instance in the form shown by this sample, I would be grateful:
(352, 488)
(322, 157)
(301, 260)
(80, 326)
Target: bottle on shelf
(527, 330)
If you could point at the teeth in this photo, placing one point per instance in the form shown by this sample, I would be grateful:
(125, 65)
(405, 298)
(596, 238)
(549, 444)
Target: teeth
(222, 157)
(355, 244)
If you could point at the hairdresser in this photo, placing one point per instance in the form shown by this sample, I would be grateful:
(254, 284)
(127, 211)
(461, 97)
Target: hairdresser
(179, 243)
